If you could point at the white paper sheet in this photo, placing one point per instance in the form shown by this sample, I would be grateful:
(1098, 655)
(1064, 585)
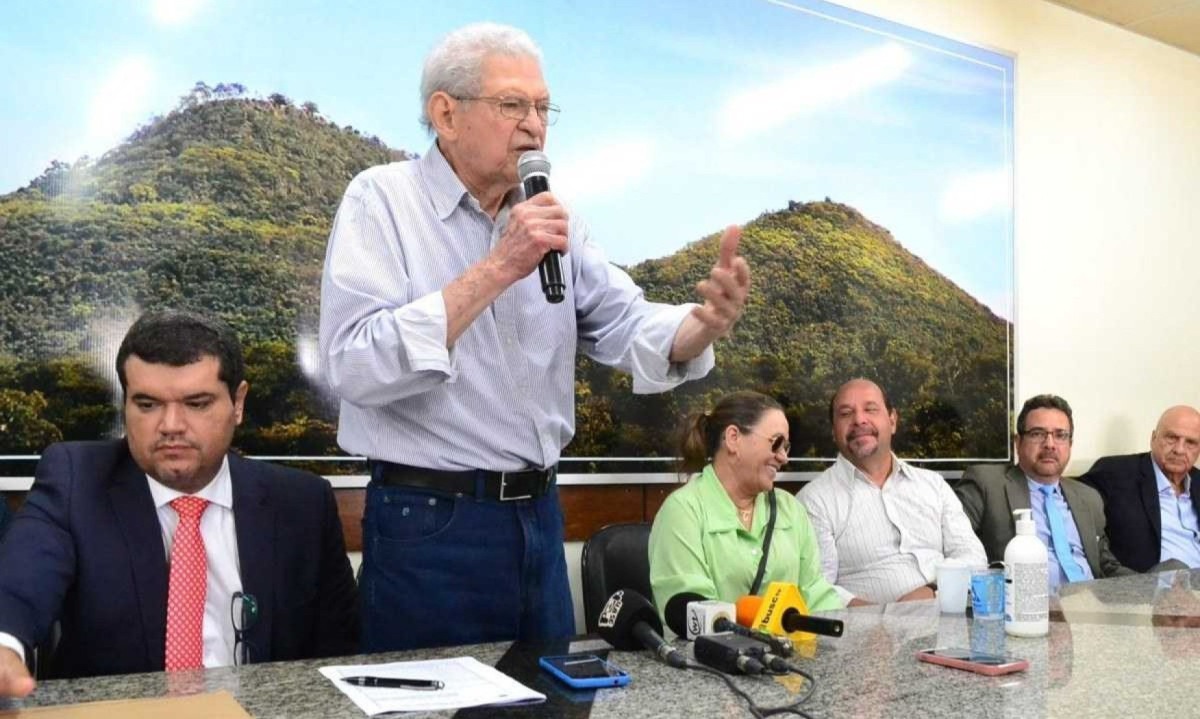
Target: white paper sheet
(468, 681)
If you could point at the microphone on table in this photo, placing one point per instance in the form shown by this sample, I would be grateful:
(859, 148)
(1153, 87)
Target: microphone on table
(629, 621)
(691, 615)
(534, 170)
(782, 610)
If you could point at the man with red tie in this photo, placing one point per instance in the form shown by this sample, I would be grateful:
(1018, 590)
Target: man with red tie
(164, 550)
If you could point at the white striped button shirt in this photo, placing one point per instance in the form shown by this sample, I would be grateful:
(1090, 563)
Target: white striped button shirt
(503, 397)
(879, 544)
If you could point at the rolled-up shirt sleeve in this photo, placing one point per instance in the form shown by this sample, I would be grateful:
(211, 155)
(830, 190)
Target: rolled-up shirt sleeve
(619, 327)
(649, 364)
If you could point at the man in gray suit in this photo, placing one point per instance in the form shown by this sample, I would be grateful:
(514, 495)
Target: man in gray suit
(1068, 515)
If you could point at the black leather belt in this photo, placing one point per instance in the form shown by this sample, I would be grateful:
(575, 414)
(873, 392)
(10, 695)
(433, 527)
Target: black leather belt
(478, 483)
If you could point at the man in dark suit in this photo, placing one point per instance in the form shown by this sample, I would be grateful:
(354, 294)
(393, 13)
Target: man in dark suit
(1068, 515)
(142, 548)
(1148, 499)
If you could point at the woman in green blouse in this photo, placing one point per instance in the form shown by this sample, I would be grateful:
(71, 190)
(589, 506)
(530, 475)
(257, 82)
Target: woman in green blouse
(708, 537)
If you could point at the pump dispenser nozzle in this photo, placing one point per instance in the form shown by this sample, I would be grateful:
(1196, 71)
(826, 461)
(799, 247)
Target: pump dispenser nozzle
(1024, 521)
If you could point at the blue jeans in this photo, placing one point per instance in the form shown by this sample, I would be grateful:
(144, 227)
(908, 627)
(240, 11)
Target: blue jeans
(442, 570)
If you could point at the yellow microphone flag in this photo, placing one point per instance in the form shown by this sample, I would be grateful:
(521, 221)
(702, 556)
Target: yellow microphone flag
(779, 597)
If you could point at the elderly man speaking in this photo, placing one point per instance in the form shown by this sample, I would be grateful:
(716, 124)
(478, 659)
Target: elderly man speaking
(456, 376)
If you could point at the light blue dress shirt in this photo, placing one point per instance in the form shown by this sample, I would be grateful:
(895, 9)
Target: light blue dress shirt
(1037, 503)
(503, 397)
(1180, 530)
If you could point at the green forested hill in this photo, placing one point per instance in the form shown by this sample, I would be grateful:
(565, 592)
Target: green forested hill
(225, 204)
(257, 159)
(833, 296)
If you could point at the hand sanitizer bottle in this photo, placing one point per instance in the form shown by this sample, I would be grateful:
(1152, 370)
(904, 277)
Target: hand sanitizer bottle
(1026, 581)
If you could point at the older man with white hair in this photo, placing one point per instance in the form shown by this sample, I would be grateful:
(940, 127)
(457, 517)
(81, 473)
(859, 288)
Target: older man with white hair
(1150, 505)
(455, 374)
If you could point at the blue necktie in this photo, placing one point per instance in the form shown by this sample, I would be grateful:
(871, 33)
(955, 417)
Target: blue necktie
(1058, 535)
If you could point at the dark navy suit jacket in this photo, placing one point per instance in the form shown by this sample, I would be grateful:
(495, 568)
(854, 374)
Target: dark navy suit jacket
(86, 549)
(1131, 506)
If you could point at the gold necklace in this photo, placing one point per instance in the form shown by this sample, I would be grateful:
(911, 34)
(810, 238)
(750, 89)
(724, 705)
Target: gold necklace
(746, 514)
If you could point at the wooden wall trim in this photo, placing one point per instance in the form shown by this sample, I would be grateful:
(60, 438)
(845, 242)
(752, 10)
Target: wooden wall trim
(350, 504)
(586, 507)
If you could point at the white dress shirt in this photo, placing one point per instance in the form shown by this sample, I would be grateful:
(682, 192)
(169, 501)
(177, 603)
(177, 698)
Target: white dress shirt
(1177, 517)
(879, 544)
(221, 551)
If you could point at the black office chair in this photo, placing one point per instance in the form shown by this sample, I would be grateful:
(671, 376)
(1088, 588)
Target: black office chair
(615, 557)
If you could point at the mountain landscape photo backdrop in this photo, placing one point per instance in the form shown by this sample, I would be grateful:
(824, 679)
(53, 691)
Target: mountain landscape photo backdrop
(225, 204)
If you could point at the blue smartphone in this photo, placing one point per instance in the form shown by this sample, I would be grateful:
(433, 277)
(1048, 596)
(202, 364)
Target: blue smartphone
(584, 671)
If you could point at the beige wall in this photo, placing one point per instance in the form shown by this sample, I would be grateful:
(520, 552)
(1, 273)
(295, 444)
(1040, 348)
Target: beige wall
(1107, 211)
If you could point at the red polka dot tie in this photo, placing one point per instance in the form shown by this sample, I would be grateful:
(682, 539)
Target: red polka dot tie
(188, 585)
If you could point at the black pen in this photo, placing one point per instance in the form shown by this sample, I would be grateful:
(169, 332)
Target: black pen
(395, 683)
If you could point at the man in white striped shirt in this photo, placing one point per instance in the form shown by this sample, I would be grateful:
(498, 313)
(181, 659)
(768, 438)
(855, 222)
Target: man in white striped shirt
(457, 376)
(882, 524)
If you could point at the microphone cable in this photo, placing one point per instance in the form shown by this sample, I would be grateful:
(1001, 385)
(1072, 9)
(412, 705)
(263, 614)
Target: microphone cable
(761, 712)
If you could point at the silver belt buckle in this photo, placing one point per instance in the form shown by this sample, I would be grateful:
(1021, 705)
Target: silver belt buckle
(504, 489)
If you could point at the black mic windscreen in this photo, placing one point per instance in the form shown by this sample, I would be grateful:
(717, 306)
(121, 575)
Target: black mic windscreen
(794, 621)
(621, 612)
(676, 611)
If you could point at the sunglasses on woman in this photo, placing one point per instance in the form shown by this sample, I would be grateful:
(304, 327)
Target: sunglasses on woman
(779, 442)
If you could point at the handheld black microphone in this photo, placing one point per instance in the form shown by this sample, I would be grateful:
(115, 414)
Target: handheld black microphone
(628, 620)
(686, 622)
(534, 170)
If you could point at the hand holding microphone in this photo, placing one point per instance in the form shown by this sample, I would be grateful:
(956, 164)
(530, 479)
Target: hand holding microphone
(534, 170)
(536, 228)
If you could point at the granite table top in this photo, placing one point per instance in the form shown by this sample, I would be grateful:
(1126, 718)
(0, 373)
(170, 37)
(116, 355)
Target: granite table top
(1119, 647)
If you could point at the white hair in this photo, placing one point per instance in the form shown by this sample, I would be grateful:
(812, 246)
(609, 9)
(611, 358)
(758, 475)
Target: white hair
(455, 65)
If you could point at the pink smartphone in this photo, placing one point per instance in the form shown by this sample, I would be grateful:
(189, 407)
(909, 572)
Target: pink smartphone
(989, 664)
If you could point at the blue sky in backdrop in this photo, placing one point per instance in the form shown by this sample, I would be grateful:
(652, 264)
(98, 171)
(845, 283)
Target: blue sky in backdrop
(678, 117)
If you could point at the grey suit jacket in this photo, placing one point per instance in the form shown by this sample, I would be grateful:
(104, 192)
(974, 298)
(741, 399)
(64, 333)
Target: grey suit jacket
(989, 494)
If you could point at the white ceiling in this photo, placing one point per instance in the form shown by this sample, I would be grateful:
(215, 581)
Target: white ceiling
(1175, 22)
